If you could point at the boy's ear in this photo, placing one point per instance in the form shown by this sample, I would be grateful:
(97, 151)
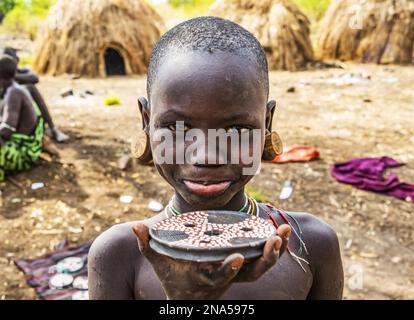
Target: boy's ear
(270, 110)
(145, 112)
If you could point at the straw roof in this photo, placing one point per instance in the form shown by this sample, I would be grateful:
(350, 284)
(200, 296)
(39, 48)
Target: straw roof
(279, 25)
(77, 33)
(375, 31)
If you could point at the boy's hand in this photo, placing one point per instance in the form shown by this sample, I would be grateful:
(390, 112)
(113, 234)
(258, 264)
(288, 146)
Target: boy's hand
(207, 280)
(271, 253)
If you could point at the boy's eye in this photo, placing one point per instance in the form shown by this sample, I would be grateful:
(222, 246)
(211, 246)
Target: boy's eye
(238, 129)
(178, 127)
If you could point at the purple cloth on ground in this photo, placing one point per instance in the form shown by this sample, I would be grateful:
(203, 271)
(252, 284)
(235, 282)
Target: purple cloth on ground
(38, 273)
(368, 174)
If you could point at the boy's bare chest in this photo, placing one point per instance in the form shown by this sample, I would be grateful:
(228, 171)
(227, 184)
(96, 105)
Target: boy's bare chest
(286, 280)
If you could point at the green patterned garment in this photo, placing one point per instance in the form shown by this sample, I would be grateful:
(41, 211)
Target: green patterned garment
(21, 151)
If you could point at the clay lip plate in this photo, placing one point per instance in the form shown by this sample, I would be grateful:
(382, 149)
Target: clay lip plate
(249, 246)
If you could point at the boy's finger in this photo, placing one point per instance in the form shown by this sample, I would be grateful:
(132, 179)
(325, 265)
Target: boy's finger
(266, 261)
(231, 266)
(270, 255)
(271, 247)
(225, 273)
(284, 232)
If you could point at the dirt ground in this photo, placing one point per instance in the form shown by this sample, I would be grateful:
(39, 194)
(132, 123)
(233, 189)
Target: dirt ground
(82, 188)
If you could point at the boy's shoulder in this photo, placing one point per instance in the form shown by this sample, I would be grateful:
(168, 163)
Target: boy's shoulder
(307, 222)
(113, 262)
(312, 224)
(320, 238)
(118, 242)
(115, 236)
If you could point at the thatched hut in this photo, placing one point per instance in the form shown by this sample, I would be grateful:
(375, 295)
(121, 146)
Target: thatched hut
(97, 38)
(372, 31)
(279, 25)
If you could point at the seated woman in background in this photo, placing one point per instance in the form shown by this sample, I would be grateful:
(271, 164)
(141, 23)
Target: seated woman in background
(21, 123)
(29, 79)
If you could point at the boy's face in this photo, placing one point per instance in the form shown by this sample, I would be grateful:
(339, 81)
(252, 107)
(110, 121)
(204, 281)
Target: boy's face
(207, 91)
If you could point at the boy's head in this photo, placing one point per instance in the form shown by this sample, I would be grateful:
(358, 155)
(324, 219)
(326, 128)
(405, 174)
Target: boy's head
(8, 67)
(209, 73)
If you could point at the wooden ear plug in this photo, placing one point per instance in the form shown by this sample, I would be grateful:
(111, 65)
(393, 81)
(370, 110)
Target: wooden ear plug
(140, 147)
(273, 146)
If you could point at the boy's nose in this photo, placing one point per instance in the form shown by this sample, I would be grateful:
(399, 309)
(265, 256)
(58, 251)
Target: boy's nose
(209, 157)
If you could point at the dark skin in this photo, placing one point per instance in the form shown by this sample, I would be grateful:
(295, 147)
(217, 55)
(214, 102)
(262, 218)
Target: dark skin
(225, 92)
(18, 110)
(29, 79)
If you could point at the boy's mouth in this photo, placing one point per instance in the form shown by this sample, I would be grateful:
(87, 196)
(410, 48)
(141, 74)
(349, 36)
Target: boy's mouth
(207, 188)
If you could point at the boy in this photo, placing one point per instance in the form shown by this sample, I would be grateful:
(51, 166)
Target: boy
(29, 79)
(21, 125)
(212, 74)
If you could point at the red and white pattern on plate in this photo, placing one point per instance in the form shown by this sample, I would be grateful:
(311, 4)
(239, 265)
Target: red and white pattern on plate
(260, 228)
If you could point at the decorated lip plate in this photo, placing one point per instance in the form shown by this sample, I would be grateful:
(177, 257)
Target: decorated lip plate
(211, 235)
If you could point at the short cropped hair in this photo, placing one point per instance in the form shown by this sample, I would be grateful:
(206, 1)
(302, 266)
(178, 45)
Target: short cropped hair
(209, 34)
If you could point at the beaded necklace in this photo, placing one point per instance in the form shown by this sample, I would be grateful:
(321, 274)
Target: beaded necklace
(249, 207)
